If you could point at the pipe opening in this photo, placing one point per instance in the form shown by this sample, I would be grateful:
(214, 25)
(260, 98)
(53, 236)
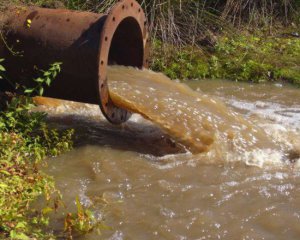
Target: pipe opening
(127, 44)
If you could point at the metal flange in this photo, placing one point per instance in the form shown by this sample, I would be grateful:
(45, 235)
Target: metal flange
(130, 11)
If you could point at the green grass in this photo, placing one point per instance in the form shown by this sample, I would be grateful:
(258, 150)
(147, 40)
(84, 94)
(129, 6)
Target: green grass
(243, 57)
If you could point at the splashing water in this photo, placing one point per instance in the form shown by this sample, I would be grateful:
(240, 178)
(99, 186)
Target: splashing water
(200, 122)
(143, 189)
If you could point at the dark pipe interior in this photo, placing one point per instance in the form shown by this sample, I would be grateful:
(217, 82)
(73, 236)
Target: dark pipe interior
(127, 44)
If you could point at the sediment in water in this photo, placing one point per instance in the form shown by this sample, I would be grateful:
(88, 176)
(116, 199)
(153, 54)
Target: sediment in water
(200, 122)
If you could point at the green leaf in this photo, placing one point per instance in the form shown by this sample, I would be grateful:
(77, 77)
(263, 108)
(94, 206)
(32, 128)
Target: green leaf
(29, 90)
(5, 172)
(21, 225)
(3, 185)
(39, 80)
(48, 81)
(79, 206)
(19, 236)
(46, 74)
(2, 69)
(47, 210)
(41, 91)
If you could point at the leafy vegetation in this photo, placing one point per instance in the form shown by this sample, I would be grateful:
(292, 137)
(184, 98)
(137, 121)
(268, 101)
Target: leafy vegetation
(46, 79)
(2, 69)
(220, 39)
(82, 222)
(25, 140)
(242, 58)
(216, 39)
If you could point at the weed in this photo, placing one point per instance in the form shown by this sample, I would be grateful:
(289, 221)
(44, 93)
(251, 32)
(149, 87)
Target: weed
(45, 79)
(242, 57)
(81, 222)
(25, 141)
(2, 69)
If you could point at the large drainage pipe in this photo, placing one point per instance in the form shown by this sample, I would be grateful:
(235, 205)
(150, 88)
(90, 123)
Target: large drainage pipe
(86, 43)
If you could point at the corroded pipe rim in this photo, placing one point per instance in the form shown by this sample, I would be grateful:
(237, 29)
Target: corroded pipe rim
(122, 10)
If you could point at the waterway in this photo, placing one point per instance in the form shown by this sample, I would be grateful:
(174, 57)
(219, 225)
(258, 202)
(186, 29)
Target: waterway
(207, 159)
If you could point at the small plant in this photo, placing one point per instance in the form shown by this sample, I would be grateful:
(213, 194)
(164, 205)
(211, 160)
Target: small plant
(45, 79)
(25, 140)
(81, 222)
(2, 69)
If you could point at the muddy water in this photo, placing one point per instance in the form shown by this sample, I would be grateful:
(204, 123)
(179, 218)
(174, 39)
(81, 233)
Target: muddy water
(146, 186)
(200, 122)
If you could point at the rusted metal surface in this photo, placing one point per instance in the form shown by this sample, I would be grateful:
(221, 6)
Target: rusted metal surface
(85, 42)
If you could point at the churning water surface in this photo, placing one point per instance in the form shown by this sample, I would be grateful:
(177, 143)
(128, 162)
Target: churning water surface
(219, 162)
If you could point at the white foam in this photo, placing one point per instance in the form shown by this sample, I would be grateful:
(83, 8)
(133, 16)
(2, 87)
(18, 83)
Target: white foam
(262, 157)
(287, 116)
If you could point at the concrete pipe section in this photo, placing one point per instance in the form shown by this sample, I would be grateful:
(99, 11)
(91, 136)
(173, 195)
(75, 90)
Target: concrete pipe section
(86, 43)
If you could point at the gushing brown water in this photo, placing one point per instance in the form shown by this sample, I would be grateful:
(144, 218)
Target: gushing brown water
(143, 189)
(200, 122)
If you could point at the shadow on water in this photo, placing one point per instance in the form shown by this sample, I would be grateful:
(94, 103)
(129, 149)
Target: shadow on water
(133, 136)
(183, 196)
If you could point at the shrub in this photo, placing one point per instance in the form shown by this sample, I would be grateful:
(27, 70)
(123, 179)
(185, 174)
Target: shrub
(25, 140)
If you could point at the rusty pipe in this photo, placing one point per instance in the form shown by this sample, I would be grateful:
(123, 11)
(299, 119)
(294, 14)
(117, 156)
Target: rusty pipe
(86, 43)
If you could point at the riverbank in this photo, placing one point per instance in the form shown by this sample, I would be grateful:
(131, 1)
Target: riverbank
(264, 45)
(254, 41)
(25, 141)
(239, 57)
